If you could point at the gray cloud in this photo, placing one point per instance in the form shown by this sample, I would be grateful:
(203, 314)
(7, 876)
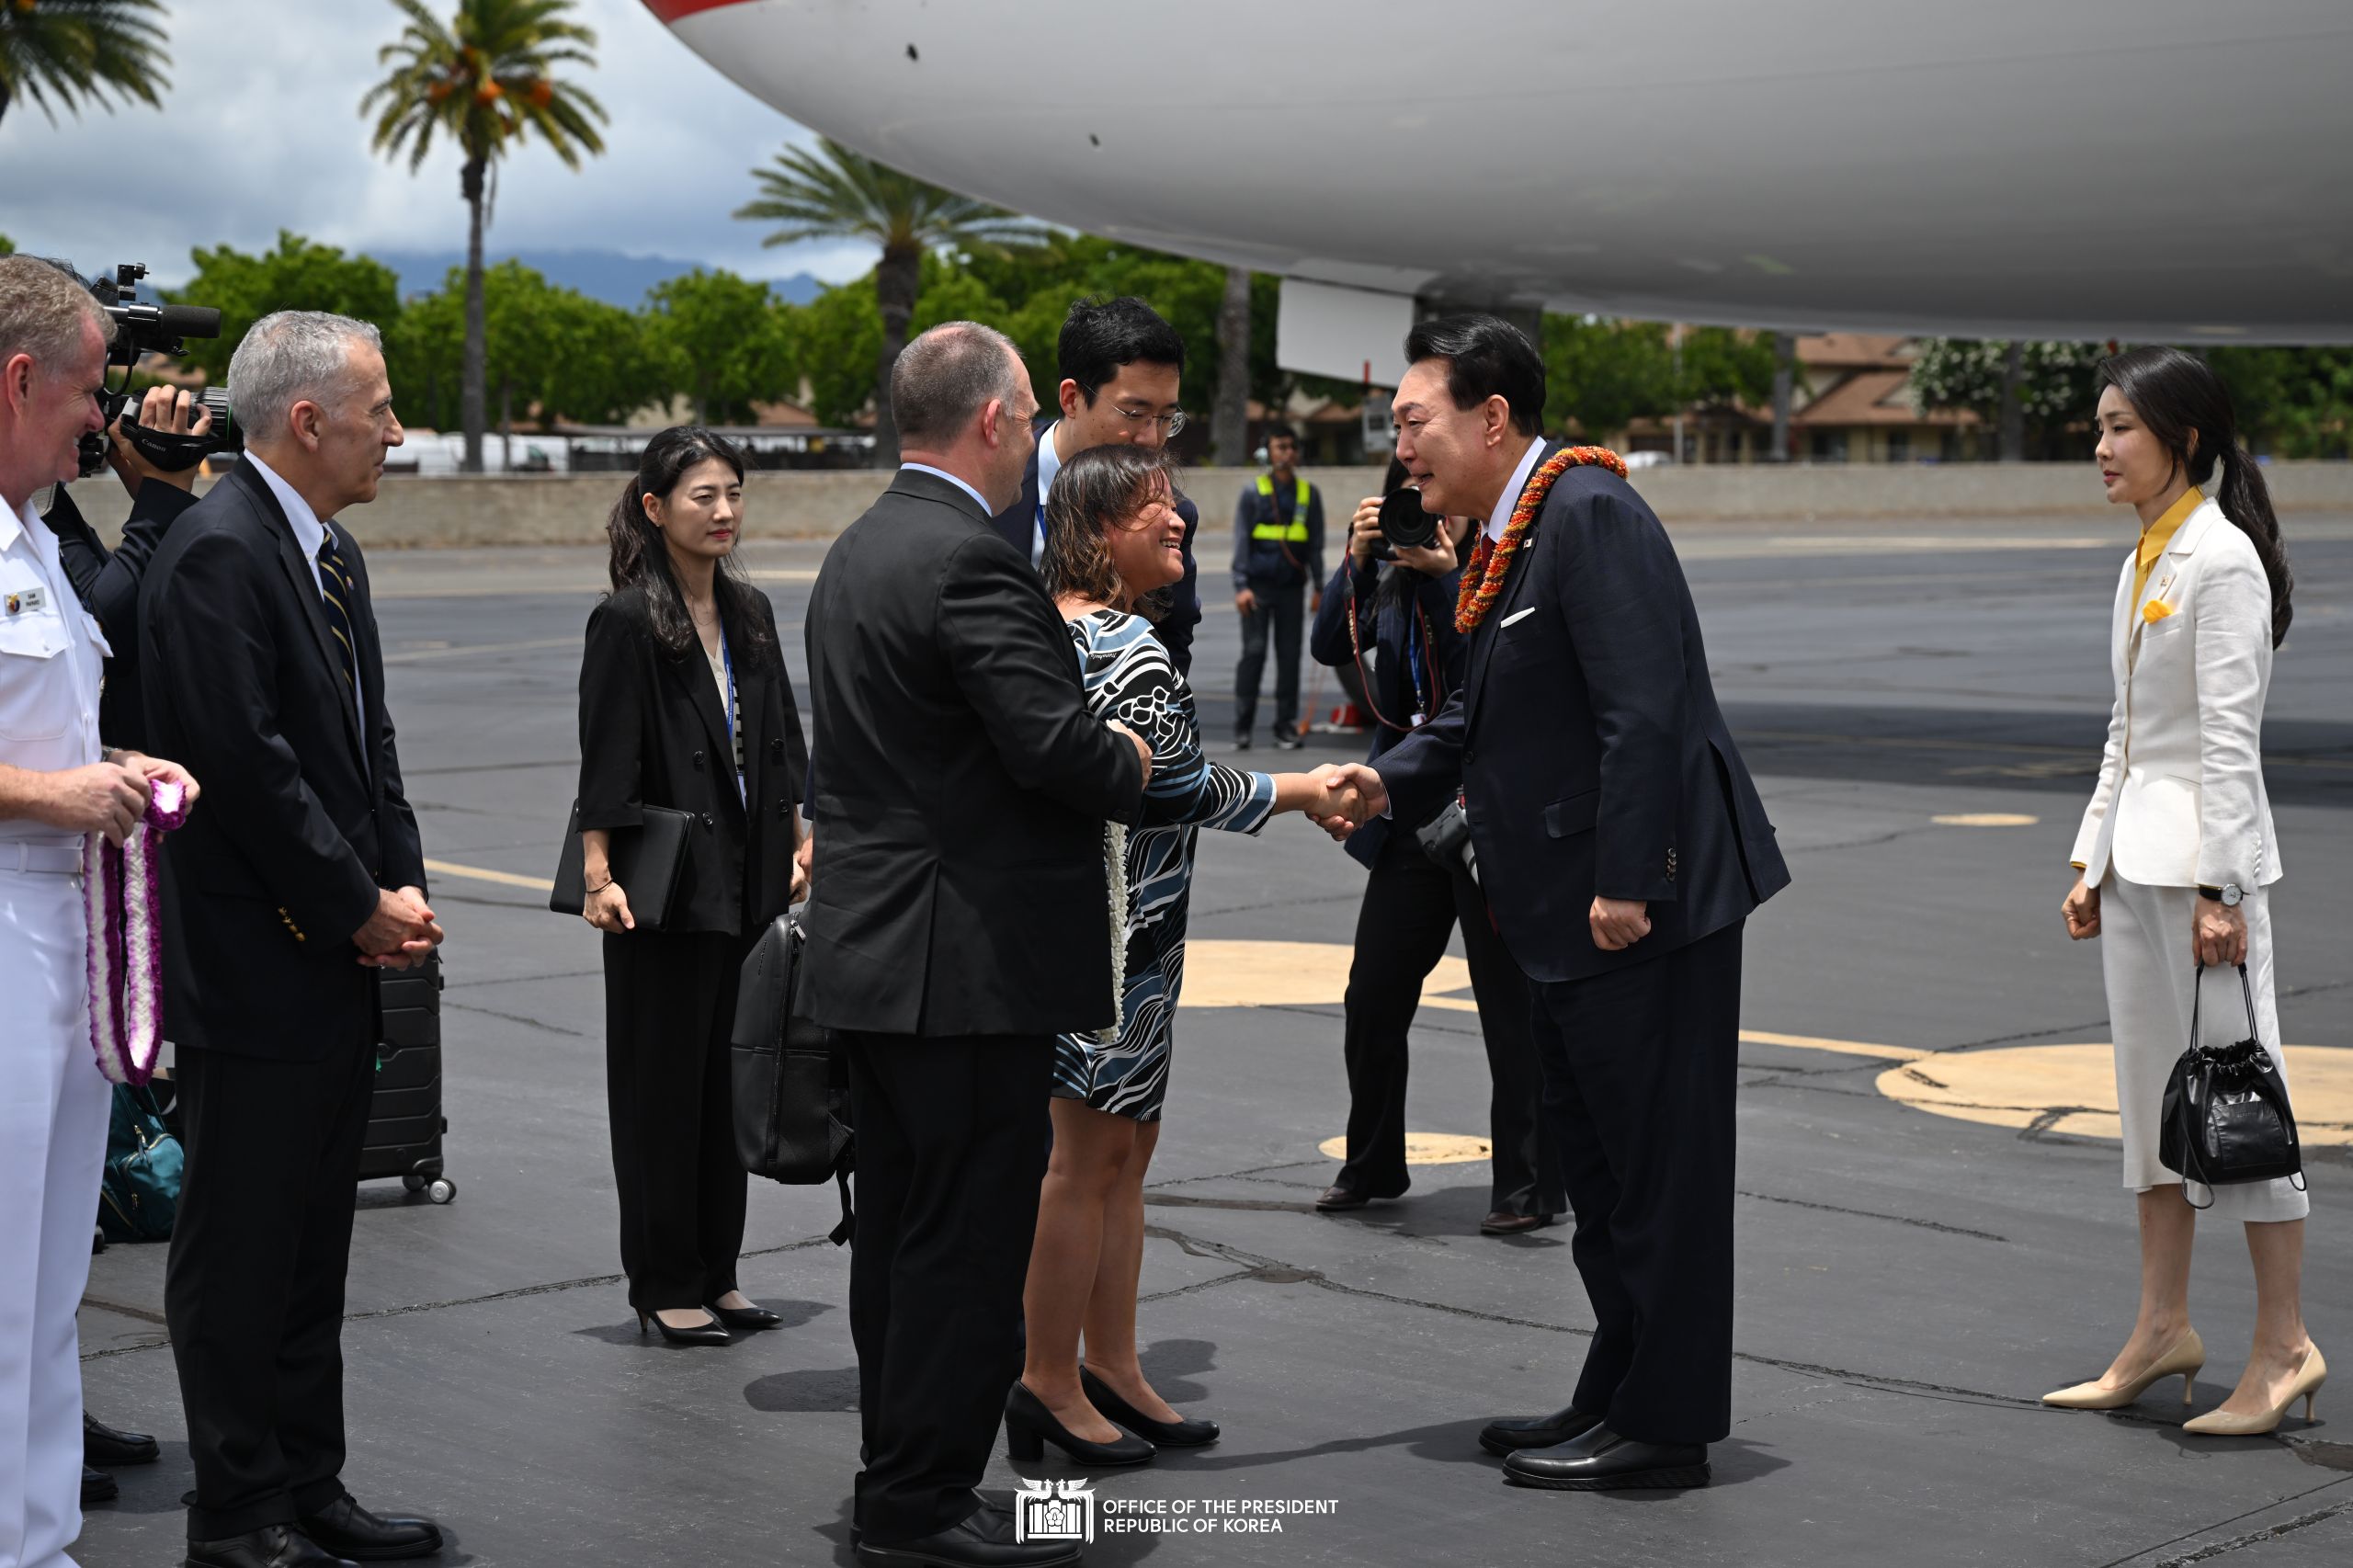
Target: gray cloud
(261, 131)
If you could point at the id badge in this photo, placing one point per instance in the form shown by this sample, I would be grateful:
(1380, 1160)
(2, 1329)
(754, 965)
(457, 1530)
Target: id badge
(1417, 720)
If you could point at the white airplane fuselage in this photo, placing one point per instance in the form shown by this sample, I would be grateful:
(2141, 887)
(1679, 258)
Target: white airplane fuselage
(2157, 169)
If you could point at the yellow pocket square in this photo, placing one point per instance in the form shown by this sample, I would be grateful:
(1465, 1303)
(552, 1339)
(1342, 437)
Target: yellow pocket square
(2155, 610)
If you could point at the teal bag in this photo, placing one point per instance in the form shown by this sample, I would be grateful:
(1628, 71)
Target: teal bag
(141, 1192)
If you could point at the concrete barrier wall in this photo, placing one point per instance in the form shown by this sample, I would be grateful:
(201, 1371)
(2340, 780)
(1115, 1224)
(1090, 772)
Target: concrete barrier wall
(556, 510)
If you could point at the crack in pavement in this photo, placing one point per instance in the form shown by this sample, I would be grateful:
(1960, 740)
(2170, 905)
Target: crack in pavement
(1873, 1214)
(2235, 1543)
(514, 1018)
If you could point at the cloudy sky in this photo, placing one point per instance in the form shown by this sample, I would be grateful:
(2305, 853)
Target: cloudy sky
(261, 131)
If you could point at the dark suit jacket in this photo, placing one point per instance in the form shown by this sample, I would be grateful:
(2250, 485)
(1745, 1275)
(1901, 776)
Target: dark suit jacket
(1590, 747)
(1381, 631)
(961, 786)
(1018, 526)
(106, 582)
(303, 816)
(653, 734)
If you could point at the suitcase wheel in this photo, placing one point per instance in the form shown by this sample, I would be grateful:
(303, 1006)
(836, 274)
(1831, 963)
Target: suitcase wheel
(441, 1189)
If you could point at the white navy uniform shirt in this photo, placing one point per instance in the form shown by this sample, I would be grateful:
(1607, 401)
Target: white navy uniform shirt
(52, 657)
(308, 535)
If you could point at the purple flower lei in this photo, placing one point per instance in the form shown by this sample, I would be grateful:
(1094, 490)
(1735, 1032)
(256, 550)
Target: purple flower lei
(126, 946)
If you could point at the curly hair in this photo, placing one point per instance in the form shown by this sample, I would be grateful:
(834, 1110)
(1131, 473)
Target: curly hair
(1097, 491)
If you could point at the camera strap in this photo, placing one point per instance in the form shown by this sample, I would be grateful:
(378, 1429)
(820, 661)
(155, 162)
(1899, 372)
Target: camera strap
(171, 453)
(1364, 677)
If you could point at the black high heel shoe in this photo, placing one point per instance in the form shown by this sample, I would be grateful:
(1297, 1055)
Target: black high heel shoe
(748, 1319)
(1029, 1427)
(702, 1333)
(1160, 1434)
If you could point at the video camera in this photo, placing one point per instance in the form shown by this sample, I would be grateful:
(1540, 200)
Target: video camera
(141, 329)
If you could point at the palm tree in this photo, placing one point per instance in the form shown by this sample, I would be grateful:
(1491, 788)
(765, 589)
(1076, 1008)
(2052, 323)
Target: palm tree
(832, 193)
(487, 81)
(58, 53)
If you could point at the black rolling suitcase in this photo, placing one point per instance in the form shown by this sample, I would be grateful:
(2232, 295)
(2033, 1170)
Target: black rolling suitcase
(405, 1123)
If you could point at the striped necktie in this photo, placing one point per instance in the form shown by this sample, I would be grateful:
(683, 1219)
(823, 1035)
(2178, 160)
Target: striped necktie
(334, 589)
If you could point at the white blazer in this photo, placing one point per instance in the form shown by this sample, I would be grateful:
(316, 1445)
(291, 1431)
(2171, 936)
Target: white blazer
(2180, 799)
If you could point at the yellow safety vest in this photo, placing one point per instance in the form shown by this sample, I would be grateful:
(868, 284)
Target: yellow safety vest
(1275, 529)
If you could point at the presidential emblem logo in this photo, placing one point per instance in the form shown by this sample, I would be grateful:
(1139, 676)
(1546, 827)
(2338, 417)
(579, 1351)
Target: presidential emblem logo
(1053, 1510)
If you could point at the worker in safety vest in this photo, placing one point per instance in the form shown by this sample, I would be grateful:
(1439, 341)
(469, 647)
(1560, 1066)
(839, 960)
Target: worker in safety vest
(1277, 581)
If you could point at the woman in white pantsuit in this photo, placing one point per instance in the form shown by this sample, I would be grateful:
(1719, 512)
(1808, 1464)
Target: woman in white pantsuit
(2178, 852)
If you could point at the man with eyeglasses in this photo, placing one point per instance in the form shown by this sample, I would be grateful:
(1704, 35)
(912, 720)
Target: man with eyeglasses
(1121, 364)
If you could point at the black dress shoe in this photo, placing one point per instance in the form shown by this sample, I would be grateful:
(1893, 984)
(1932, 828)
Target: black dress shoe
(983, 1540)
(1510, 1434)
(345, 1528)
(110, 1449)
(1178, 1433)
(1601, 1460)
(1029, 1427)
(97, 1486)
(711, 1333)
(749, 1319)
(272, 1546)
(1503, 1222)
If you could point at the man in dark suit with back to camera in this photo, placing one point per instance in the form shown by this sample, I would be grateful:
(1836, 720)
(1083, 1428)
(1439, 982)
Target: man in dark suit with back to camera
(299, 882)
(955, 926)
(1621, 846)
(1122, 366)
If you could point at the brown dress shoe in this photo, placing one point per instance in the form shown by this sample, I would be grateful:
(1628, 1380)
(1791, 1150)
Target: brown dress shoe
(1338, 1200)
(1503, 1222)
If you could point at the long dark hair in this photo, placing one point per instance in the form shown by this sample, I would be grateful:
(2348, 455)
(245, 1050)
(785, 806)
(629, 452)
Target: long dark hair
(1097, 491)
(640, 560)
(2178, 396)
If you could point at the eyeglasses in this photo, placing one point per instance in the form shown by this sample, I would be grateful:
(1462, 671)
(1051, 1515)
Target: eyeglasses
(1171, 425)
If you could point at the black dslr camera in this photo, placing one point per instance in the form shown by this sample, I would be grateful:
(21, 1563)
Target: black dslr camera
(1404, 523)
(141, 329)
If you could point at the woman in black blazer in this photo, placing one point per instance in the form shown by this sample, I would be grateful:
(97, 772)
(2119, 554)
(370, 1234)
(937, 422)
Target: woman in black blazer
(684, 703)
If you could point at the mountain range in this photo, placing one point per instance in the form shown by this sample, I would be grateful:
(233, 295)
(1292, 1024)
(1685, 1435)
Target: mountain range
(607, 275)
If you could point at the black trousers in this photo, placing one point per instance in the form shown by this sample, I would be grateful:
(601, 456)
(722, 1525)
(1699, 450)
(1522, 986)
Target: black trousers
(1281, 610)
(669, 1006)
(1639, 1067)
(253, 1291)
(951, 1146)
(1411, 906)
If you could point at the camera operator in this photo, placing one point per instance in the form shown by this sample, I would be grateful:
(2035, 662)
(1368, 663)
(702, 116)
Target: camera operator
(1392, 620)
(58, 784)
(106, 582)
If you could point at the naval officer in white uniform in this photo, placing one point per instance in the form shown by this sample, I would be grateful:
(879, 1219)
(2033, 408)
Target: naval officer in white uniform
(58, 784)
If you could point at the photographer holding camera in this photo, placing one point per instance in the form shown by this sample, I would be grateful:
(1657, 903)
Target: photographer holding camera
(1387, 614)
(107, 581)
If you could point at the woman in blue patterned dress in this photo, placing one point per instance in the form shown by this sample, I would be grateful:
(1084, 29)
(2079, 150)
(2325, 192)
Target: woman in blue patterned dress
(1113, 541)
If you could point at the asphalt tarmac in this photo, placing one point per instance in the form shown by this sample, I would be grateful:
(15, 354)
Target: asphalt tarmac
(1909, 1280)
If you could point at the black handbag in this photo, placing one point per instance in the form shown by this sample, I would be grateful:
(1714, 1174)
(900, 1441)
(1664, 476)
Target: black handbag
(645, 860)
(2226, 1118)
(790, 1077)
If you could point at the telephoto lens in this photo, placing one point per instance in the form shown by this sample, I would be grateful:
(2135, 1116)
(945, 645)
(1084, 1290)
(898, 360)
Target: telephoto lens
(1404, 523)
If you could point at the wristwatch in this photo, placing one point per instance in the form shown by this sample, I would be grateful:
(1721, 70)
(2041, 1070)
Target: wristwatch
(2228, 895)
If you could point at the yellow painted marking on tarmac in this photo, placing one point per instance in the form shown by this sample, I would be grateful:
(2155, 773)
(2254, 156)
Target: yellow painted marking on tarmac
(1423, 1148)
(2087, 754)
(785, 574)
(1842, 1047)
(1984, 819)
(459, 650)
(1290, 974)
(2071, 1088)
(483, 874)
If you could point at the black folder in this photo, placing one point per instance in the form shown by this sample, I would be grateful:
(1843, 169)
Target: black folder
(645, 860)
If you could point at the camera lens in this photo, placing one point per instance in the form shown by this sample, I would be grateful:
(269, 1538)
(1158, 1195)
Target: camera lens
(1403, 521)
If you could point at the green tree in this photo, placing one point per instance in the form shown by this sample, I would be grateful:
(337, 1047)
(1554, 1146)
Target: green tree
(2296, 403)
(8, 246)
(297, 274)
(836, 338)
(487, 81)
(59, 53)
(1601, 374)
(721, 340)
(551, 355)
(2055, 384)
(832, 193)
(1723, 365)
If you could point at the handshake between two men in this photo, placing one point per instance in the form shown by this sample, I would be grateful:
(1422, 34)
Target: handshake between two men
(1354, 795)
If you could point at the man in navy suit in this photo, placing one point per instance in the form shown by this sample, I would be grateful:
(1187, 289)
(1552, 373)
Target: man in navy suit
(1621, 846)
(1120, 365)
